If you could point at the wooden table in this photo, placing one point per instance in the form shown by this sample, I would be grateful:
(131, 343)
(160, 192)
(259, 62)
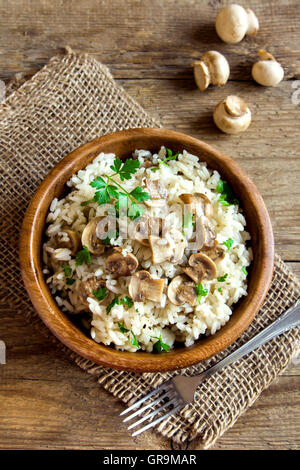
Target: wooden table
(48, 402)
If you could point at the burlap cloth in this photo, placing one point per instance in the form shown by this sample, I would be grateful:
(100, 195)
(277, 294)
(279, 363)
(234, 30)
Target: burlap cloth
(69, 102)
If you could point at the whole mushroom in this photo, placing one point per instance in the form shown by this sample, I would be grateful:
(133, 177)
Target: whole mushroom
(211, 69)
(234, 22)
(232, 115)
(267, 71)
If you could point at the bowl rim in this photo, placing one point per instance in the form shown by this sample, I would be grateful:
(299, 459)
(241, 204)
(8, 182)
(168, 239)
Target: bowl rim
(66, 331)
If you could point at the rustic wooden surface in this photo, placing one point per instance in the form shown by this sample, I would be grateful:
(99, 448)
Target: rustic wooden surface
(48, 402)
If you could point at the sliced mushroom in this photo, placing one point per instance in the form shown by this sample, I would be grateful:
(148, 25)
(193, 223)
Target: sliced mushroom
(204, 235)
(216, 252)
(121, 265)
(200, 204)
(157, 192)
(201, 268)
(73, 242)
(181, 290)
(170, 248)
(87, 287)
(210, 233)
(91, 239)
(142, 287)
(146, 226)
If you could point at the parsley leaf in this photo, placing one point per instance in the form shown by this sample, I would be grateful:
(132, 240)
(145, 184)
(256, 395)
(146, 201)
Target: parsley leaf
(201, 292)
(135, 211)
(102, 197)
(168, 158)
(220, 289)
(228, 243)
(67, 270)
(69, 281)
(122, 327)
(133, 340)
(127, 301)
(244, 270)
(222, 278)
(100, 293)
(128, 169)
(114, 302)
(83, 256)
(227, 197)
(98, 183)
(139, 194)
(160, 346)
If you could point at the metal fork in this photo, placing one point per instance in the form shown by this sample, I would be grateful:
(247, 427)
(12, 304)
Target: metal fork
(177, 392)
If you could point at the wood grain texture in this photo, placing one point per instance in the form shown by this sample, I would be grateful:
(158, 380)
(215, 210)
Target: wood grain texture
(46, 401)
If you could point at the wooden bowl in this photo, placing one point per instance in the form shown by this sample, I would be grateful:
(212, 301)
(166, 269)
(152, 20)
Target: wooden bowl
(123, 144)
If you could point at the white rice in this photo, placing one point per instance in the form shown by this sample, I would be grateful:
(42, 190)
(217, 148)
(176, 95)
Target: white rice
(148, 319)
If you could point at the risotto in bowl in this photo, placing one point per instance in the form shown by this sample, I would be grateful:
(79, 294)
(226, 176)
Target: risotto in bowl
(149, 258)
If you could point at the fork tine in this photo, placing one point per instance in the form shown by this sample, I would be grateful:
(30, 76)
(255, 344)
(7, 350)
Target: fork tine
(139, 402)
(153, 413)
(144, 408)
(158, 420)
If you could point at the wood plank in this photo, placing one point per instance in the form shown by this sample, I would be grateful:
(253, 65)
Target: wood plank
(149, 39)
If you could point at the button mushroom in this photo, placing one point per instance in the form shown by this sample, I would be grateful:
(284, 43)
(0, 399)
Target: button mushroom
(145, 226)
(212, 68)
(233, 22)
(181, 290)
(215, 252)
(71, 241)
(142, 287)
(86, 289)
(201, 268)
(121, 265)
(204, 234)
(157, 191)
(200, 204)
(267, 71)
(170, 248)
(92, 236)
(232, 115)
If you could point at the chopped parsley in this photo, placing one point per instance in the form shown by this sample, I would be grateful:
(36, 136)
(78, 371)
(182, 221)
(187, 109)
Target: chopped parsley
(133, 340)
(83, 256)
(122, 327)
(167, 159)
(160, 346)
(245, 270)
(67, 270)
(124, 301)
(100, 293)
(220, 289)
(69, 281)
(201, 292)
(228, 243)
(222, 278)
(227, 196)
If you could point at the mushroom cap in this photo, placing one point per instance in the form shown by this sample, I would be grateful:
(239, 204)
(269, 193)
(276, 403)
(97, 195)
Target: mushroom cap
(233, 22)
(215, 252)
(73, 242)
(90, 237)
(142, 287)
(121, 265)
(267, 71)
(232, 115)
(201, 268)
(182, 290)
(212, 68)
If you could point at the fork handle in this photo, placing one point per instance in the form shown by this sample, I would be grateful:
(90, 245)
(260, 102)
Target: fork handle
(285, 322)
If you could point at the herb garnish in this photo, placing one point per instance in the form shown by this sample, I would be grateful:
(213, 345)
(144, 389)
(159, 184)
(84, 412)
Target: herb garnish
(167, 159)
(83, 256)
(100, 293)
(67, 270)
(133, 340)
(227, 196)
(122, 327)
(244, 270)
(220, 289)
(69, 281)
(160, 346)
(222, 278)
(228, 243)
(124, 301)
(105, 191)
(201, 292)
